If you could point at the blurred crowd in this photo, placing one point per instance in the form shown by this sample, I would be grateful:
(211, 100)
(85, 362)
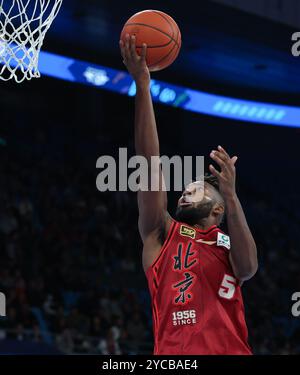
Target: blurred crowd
(70, 261)
(66, 250)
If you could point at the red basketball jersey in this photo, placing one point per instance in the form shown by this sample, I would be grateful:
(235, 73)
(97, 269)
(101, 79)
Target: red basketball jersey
(197, 304)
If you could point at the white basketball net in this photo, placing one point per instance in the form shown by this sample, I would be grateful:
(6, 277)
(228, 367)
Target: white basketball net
(23, 26)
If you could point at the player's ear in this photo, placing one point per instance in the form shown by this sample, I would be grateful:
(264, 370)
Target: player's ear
(218, 209)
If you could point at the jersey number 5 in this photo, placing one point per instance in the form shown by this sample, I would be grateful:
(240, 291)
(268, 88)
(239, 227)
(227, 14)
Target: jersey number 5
(227, 288)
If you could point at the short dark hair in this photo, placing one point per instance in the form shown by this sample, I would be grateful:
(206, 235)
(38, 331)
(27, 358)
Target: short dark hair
(212, 180)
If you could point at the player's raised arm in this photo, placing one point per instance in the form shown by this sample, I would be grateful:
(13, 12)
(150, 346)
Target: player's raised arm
(243, 255)
(152, 204)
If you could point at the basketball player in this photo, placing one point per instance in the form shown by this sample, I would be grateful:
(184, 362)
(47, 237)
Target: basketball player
(194, 270)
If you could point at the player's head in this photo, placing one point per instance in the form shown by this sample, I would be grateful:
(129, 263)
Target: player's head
(199, 202)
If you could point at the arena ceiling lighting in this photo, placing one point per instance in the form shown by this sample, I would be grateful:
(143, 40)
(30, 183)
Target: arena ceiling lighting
(73, 70)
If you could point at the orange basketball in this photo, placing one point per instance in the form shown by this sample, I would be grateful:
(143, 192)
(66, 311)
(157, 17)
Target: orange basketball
(161, 34)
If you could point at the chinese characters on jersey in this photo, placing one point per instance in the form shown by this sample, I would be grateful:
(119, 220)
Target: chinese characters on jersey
(183, 262)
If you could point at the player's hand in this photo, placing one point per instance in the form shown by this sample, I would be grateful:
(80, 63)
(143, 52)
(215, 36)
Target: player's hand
(227, 174)
(136, 64)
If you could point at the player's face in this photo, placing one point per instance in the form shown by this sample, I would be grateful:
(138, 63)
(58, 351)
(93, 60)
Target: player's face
(195, 203)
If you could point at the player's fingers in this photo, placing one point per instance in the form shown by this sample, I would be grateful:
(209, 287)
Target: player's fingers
(218, 159)
(144, 52)
(222, 156)
(127, 47)
(224, 162)
(233, 160)
(222, 150)
(214, 172)
(122, 49)
(133, 53)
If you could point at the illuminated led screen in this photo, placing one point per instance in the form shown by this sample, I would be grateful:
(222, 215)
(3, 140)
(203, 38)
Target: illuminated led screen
(73, 70)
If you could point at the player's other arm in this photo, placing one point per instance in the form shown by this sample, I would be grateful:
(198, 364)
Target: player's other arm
(243, 253)
(152, 204)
